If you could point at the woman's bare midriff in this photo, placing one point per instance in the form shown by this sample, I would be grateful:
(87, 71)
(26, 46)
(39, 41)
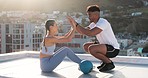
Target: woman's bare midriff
(44, 55)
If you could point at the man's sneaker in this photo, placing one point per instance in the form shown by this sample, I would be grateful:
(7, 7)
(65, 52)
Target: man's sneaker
(101, 65)
(107, 67)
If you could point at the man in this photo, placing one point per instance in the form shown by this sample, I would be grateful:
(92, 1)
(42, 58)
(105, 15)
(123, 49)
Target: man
(108, 46)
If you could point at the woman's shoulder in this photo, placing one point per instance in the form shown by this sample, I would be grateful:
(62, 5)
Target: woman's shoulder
(47, 37)
(51, 37)
(49, 40)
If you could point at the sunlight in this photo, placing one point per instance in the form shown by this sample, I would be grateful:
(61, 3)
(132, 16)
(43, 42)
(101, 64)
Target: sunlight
(30, 3)
(33, 5)
(22, 4)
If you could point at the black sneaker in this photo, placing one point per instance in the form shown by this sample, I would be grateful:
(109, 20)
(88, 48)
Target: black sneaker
(107, 67)
(101, 65)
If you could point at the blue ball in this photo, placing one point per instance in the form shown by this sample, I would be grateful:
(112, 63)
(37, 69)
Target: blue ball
(86, 66)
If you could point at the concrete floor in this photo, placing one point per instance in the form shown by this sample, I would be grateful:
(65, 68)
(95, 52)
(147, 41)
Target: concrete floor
(29, 67)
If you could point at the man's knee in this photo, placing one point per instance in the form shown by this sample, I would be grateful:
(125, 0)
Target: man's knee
(86, 46)
(91, 50)
(95, 49)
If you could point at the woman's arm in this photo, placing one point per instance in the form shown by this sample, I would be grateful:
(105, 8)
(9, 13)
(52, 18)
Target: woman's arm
(86, 31)
(63, 35)
(67, 38)
(59, 39)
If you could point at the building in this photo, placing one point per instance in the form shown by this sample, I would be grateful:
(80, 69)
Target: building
(19, 36)
(124, 43)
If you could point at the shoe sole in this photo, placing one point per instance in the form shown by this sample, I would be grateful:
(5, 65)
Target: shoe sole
(107, 69)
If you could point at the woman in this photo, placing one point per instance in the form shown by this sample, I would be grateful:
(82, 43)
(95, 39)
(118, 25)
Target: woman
(49, 59)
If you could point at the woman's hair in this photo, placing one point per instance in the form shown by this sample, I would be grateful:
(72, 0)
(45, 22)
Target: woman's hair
(47, 24)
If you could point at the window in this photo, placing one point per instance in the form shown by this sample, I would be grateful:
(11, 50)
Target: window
(8, 38)
(7, 28)
(18, 47)
(27, 45)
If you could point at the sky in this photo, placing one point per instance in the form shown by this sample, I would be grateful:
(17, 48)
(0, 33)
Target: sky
(44, 4)
(23, 4)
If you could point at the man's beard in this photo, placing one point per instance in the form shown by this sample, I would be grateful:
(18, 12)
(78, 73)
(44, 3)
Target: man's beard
(90, 20)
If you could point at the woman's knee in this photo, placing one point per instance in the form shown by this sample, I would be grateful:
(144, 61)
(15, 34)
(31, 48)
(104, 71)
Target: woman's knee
(66, 49)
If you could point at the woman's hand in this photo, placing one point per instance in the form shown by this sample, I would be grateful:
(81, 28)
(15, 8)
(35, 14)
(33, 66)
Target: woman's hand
(72, 21)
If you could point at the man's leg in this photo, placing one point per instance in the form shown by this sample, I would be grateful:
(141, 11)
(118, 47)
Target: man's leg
(99, 51)
(86, 45)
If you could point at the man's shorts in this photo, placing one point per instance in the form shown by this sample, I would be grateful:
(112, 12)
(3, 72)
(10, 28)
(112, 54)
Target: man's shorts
(111, 51)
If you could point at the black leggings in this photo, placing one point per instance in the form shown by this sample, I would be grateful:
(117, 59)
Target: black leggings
(111, 51)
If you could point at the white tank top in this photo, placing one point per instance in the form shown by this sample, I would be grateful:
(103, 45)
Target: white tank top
(50, 50)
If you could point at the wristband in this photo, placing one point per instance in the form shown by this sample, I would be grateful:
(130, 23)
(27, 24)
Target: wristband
(77, 24)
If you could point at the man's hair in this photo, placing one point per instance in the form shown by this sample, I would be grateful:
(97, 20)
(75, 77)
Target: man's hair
(93, 8)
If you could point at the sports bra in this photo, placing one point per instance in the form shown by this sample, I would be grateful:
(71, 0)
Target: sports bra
(50, 50)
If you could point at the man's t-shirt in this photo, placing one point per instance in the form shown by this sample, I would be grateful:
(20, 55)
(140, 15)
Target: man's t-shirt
(106, 36)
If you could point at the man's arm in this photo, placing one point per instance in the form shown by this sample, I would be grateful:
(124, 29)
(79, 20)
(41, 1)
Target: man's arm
(79, 31)
(87, 31)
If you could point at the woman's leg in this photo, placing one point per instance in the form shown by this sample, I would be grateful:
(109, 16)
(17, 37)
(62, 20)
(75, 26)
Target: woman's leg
(58, 57)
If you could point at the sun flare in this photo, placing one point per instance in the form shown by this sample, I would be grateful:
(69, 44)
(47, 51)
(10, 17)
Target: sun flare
(23, 4)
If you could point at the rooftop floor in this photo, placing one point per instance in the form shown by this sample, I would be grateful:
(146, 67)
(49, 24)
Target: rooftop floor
(27, 65)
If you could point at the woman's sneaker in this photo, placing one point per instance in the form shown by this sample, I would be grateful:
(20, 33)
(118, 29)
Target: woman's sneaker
(101, 65)
(107, 67)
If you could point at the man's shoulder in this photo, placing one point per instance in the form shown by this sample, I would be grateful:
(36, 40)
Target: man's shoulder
(102, 20)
